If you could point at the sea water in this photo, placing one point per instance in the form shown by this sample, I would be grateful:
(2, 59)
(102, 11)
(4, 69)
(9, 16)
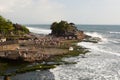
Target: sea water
(101, 63)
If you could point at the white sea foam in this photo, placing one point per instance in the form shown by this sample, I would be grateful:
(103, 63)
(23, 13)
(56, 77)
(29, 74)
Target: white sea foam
(92, 67)
(87, 45)
(114, 32)
(95, 34)
(98, 48)
(39, 30)
(100, 63)
(100, 67)
(115, 40)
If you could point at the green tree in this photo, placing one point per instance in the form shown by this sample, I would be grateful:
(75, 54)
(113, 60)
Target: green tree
(63, 28)
(5, 26)
(20, 29)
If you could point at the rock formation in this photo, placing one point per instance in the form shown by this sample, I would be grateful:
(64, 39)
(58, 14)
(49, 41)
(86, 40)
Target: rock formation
(66, 30)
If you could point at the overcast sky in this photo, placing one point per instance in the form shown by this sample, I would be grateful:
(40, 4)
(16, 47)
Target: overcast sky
(48, 11)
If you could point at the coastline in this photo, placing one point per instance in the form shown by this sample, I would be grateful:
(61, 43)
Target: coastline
(38, 48)
(97, 54)
(51, 57)
(45, 51)
(47, 56)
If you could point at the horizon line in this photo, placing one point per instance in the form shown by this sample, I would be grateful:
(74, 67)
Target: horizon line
(75, 24)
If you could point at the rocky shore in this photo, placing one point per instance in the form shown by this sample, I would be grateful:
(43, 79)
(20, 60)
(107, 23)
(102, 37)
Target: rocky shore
(37, 49)
(31, 47)
(30, 51)
(47, 50)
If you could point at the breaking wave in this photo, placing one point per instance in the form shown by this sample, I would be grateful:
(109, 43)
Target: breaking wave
(98, 48)
(114, 32)
(100, 63)
(96, 34)
(39, 30)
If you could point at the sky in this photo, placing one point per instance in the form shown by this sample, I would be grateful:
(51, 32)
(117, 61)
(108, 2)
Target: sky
(48, 11)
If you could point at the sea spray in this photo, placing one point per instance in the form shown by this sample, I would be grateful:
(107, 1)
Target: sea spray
(111, 32)
(96, 34)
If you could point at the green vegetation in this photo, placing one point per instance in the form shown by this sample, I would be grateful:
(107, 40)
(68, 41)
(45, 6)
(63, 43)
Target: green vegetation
(76, 52)
(7, 28)
(63, 28)
(19, 29)
(49, 63)
(36, 67)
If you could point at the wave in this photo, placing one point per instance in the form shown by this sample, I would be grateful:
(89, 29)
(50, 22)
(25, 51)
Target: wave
(93, 34)
(92, 67)
(96, 34)
(39, 30)
(115, 41)
(96, 47)
(88, 45)
(114, 32)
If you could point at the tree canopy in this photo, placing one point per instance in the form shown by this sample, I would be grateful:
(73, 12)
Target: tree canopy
(63, 28)
(7, 27)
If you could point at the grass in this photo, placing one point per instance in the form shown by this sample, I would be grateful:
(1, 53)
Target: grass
(35, 67)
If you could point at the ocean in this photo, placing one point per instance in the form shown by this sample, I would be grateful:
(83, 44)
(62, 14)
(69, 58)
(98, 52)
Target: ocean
(101, 63)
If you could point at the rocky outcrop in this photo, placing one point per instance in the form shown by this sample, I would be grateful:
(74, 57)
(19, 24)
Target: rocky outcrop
(80, 35)
(66, 30)
(91, 39)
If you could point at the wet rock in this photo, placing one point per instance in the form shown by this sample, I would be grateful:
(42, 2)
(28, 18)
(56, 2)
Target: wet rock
(92, 39)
